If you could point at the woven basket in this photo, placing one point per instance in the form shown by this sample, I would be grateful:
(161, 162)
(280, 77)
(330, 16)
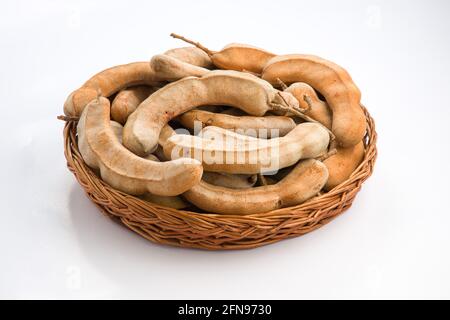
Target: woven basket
(212, 231)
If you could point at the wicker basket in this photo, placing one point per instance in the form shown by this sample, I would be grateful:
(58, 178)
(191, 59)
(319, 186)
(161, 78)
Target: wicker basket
(212, 231)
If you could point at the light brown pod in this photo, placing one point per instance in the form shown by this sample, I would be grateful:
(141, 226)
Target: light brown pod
(123, 170)
(219, 87)
(236, 56)
(191, 55)
(251, 156)
(262, 127)
(127, 100)
(234, 181)
(333, 82)
(301, 184)
(342, 164)
(173, 69)
(309, 101)
(108, 82)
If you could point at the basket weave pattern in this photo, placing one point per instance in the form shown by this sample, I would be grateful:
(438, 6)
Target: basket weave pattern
(212, 231)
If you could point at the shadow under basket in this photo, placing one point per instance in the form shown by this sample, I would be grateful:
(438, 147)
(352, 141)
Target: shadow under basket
(213, 231)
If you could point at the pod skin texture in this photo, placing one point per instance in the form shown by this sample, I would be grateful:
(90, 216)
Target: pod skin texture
(237, 89)
(108, 82)
(343, 163)
(127, 100)
(234, 181)
(333, 82)
(123, 170)
(251, 156)
(241, 57)
(301, 184)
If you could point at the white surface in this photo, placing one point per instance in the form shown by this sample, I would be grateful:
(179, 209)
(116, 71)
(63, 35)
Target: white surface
(394, 241)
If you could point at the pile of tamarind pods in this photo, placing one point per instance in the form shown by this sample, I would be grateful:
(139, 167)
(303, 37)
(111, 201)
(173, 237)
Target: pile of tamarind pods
(255, 131)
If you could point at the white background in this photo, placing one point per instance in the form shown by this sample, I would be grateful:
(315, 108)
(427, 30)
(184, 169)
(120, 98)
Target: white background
(394, 241)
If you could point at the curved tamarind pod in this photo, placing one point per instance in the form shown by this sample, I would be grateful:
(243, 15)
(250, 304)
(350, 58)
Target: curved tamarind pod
(240, 57)
(235, 56)
(108, 82)
(263, 127)
(342, 164)
(122, 169)
(219, 87)
(127, 100)
(333, 82)
(173, 69)
(250, 156)
(301, 184)
(233, 181)
(191, 55)
(309, 101)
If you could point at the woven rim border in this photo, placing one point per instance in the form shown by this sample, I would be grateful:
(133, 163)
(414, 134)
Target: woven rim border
(213, 231)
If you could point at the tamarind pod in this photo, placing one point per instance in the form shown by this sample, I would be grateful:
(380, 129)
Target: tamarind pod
(108, 82)
(127, 100)
(122, 169)
(256, 126)
(219, 87)
(174, 202)
(302, 183)
(333, 82)
(342, 164)
(191, 55)
(233, 181)
(309, 101)
(173, 69)
(117, 129)
(235, 56)
(251, 156)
